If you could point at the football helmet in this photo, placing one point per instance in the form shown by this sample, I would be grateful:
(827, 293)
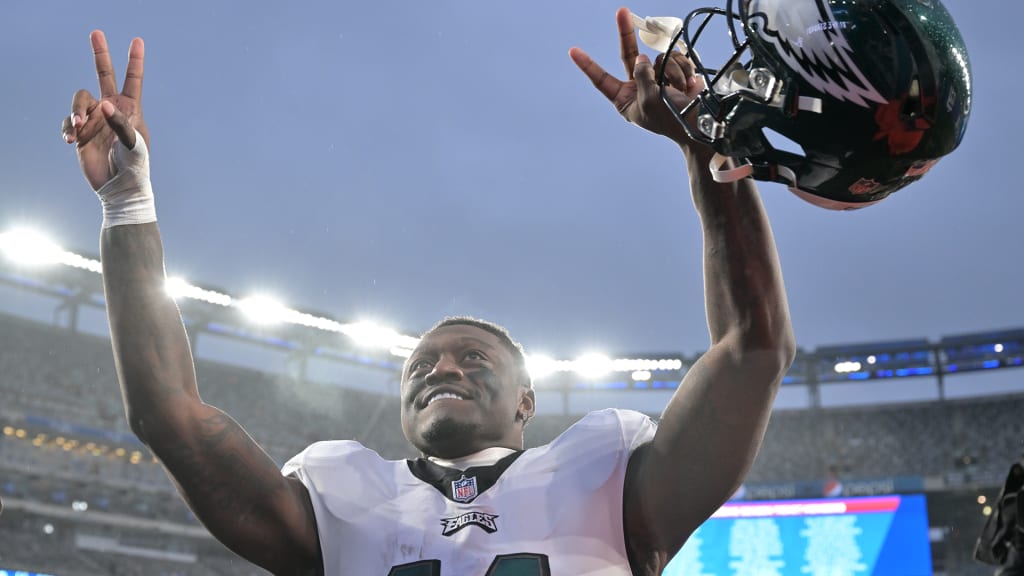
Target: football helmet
(874, 92)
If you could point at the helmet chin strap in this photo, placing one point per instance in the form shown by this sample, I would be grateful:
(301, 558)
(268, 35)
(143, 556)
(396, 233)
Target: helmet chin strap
(773, 173)
(723, 174)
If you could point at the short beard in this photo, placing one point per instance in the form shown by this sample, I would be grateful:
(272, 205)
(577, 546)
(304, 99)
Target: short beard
(446, 438)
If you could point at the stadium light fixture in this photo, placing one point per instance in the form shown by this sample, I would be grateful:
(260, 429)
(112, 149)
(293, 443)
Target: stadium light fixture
(76, 261)
(650, 364)
(374, 335)
(29, 247)
(540, 366)
(847, 367)
(175, 287)
(262, 309)
(641, 375)
(998, 348)
(400, 351)
(310, 321)
(592, 365)
(178, 288)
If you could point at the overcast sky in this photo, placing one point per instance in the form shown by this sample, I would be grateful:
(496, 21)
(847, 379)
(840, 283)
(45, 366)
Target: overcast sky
(403, 161)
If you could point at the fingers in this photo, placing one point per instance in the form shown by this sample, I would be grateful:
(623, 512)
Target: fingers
(84, 123)
(679, 71)
(104, 69)
(133, 74)
(603, 81)
(81, 106)
(119, 123)
(66, 130)
(643, 74)
(627, 40)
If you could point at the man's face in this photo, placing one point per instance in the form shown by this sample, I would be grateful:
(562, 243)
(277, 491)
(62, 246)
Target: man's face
(462, 392)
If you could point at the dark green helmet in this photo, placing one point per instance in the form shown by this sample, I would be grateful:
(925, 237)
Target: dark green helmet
(873, 92)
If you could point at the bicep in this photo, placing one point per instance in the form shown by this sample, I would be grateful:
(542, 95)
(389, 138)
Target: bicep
(237, 491)
(706, 441)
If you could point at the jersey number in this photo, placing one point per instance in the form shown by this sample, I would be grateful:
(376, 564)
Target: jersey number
(503, 565)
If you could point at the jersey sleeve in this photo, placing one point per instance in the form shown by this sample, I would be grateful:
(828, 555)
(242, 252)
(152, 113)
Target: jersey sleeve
(341, 472)
(633, 428)
(637, 428)
(299, 465)
(345, 481)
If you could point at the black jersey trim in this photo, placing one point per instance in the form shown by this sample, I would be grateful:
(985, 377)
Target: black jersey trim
(441, 477)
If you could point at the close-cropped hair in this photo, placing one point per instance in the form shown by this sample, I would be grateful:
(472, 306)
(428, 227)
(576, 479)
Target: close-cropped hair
(515, 348)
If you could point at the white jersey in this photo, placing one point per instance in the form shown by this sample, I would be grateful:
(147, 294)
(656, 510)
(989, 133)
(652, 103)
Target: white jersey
(552, 510)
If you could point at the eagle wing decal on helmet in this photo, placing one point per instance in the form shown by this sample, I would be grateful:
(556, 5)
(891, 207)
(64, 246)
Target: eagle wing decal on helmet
(809, 38)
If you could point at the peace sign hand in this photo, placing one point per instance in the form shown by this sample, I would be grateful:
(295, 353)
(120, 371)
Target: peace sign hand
(95, 125)
(638, 98)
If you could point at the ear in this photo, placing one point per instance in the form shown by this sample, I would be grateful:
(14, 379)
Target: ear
(527, 405)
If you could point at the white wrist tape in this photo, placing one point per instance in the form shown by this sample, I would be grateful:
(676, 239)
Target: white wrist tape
(128, 197)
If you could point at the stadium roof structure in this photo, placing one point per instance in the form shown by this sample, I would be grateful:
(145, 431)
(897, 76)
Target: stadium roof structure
(29, 262)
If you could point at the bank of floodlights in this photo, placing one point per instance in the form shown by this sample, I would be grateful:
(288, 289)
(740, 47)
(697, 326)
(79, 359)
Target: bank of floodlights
(31, 248)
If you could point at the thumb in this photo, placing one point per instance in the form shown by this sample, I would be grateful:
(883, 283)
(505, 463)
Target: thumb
(119, 124)
(643, 75)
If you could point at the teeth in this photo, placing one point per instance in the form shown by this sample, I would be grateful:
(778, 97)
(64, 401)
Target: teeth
(444, 395)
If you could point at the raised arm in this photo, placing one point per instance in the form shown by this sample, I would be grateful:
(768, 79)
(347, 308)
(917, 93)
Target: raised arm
(712, 427)
(230, 483)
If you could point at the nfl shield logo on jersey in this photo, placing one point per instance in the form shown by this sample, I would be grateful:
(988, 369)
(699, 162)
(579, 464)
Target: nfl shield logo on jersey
(464, 489)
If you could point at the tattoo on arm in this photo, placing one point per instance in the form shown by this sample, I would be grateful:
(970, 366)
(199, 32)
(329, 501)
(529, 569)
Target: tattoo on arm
(236, 484)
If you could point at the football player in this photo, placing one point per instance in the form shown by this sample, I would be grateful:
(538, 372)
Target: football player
(615, 494)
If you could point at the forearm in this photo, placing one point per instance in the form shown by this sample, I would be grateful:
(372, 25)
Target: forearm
(151, 350)
(711, 429)
(231, 484)
(744, 291)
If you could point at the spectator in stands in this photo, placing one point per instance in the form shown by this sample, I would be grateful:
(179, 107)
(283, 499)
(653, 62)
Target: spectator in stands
(833, 487)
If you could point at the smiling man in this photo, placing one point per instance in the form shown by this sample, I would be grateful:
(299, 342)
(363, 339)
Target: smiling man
(613, 495)
(460, 385)
(476, 502)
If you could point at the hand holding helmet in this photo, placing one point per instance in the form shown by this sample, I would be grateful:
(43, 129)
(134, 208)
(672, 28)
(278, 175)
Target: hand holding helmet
(639, 97)
(873, 93)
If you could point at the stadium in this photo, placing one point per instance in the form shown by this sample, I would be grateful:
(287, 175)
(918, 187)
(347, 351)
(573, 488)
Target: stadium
(927, 425)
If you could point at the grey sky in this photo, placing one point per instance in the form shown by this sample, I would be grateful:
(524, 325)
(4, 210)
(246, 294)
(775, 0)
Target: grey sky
(402, 161)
